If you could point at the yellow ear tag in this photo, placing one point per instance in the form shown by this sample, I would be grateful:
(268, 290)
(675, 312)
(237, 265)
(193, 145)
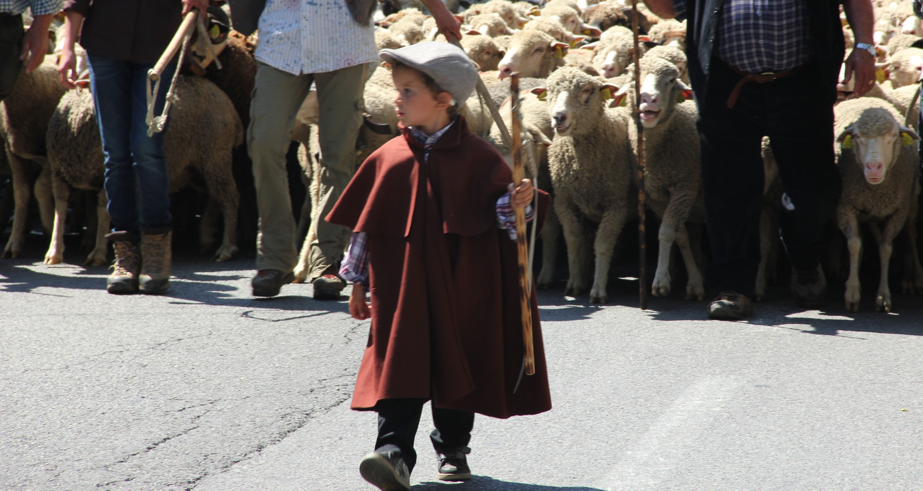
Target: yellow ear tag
(906, 139)
(214, 32)
(880, 75)
(543, 95)
(680, 98)
(606, 94)
(573, 44)
(847, 142)
(558, 52)
(587, 32)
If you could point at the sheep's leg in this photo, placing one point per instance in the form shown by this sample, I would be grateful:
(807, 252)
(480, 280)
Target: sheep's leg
(92, 219)
(97, 256)
(208, 226)
(574, 234)
(221, 186)
(21, 197)
(610, 227)
(551, 231)
(303, 268)
(61, 192)
(43, 194)
(885, 248)
(850, 227)
(662, 280)
(695, 287)
(765, 248)
(304, 221)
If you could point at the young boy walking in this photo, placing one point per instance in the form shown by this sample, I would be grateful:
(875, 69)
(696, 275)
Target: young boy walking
(432, 214)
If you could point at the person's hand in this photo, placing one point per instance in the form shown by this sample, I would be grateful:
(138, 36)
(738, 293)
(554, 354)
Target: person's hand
(447, 23)
(860, 63)
(67, 67)
(202, 5)
(358, 307)
(522, 195)
(35, 44)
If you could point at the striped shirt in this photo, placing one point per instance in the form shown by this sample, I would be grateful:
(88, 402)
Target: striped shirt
(39, 7)
(313, 36)
(355, 265)
(757, 36)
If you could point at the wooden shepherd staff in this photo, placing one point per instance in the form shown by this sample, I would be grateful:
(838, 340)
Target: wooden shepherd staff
(642, 231)
(521, 240)
(185, 30)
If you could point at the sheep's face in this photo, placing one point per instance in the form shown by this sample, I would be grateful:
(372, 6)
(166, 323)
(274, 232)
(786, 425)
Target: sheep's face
(905, 68)
(407, 32)
(483, 51)
(489, 25)
(572, 94)
(911, 25)
(529, 52)
(876, 139)
(568, 18)
(660, 90)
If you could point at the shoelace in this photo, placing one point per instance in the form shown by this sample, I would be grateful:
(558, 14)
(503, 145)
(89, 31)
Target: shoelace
(126, 260)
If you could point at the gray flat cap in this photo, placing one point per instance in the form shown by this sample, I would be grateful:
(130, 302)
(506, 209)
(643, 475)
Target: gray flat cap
(447, 64)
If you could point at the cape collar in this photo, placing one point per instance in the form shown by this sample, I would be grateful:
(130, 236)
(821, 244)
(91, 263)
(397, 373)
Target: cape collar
(451, 138)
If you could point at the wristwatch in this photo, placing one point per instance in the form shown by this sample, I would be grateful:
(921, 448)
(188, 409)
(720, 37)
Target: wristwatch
(868, 47)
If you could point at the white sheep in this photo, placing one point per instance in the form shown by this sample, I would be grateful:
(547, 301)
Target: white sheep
(672, 172)
(589, 162)
(532, 54)
(904, 67)
(878, 162)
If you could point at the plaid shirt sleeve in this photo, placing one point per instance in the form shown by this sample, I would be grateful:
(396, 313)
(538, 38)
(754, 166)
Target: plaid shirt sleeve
(506, 217)
(44, 7)
(355, 266)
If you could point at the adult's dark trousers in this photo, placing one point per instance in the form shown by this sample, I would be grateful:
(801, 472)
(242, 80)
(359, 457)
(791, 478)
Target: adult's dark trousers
(11, 33)
(796, 114)
(398, 420)
(137, 182)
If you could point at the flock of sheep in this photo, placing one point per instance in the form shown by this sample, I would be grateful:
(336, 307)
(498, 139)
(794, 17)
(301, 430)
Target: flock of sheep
(578, 108)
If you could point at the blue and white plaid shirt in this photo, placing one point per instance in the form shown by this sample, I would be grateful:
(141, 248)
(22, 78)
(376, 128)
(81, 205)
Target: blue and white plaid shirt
(757, 36)
(39, 7)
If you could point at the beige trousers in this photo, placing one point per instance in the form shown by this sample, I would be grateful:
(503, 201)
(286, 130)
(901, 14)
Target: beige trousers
(277, 96)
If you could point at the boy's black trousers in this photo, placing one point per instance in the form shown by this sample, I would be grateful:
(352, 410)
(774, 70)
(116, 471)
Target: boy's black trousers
(398, 420)
(796, 113)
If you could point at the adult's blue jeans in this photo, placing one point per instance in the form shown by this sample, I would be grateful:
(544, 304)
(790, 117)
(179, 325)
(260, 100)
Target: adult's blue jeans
(137, 182)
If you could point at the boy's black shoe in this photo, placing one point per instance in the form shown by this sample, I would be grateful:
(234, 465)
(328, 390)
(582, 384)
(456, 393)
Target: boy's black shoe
(730, 306)
(385, 469)
(453, 464)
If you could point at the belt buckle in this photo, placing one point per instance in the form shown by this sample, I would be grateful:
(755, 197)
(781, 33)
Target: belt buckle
(769, 74)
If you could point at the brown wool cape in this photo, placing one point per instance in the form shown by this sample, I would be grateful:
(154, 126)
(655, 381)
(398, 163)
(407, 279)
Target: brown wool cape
(443, 277)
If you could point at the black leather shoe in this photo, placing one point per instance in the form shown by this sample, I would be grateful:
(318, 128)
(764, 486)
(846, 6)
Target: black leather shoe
(809, 287)
(730, 306)
(268, 282)
(329, 285)
(386, 470)
(453, 464)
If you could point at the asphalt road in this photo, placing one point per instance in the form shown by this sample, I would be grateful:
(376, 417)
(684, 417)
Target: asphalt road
(208, 389)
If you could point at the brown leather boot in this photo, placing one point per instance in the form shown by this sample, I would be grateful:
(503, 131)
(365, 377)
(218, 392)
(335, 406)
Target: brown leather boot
(156, 256)
(127, 264)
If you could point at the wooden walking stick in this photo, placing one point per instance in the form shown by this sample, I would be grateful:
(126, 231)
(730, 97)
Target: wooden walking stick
(156, 124)
(642, 230)
(521, 240)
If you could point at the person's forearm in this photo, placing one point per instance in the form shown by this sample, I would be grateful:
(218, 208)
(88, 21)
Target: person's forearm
(433, 5)
(861, 18)
(661, 8)
(72, 26)
(42, 22)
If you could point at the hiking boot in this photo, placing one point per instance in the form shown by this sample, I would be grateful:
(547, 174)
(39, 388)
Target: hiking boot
(809, 287)
(386, 469)
(268, 282)
(453, 464)
(156, 255)
(329, 285)
(127, 264)
(730, 306)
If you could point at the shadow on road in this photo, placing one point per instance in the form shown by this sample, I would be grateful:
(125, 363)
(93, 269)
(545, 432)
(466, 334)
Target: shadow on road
(484, 483)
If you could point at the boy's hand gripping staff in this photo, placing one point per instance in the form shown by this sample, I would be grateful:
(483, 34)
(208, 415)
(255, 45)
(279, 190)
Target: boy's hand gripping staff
(525, 279)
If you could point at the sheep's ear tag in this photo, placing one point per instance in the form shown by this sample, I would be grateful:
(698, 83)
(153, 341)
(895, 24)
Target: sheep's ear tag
(606, 93)
(906, 139)
(558, 52)
(541, 93)
(847, 142)
(880, 75)
(621, 100)
(214, 32)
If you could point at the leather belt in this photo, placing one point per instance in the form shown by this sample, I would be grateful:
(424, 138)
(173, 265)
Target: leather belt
(760, 78)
